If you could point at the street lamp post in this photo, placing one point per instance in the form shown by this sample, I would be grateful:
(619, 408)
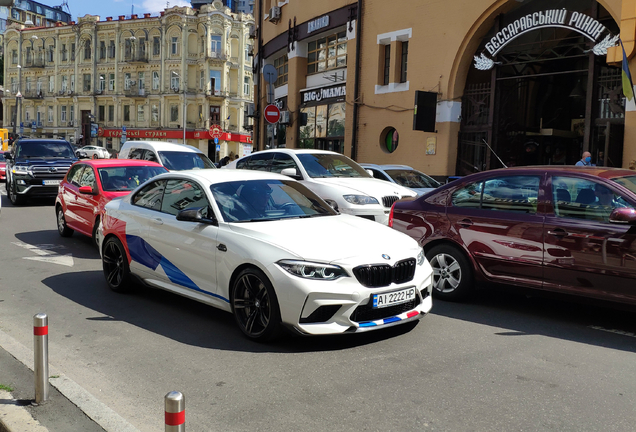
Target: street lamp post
(185, 106)
(18, 101)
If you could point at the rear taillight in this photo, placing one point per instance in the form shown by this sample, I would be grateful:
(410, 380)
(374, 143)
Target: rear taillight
(391, 216)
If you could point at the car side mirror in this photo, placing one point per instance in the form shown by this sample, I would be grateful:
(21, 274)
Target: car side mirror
(333, 204)
(623, 215)
(370, 172)
(195, 215)
(291, 172)
(88, 190)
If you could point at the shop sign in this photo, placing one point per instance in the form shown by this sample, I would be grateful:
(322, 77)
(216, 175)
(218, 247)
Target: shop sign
(562, 18)
(318, 95)
(173, 134)
(318, 23)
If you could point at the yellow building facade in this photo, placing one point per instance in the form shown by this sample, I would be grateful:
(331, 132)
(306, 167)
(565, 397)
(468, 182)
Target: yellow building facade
(171, 77)
(454, 87)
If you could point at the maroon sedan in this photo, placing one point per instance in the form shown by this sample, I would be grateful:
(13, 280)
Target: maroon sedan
(563, 229)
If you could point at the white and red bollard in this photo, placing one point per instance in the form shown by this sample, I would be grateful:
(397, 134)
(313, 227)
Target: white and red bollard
(41, 356)
(175, 412)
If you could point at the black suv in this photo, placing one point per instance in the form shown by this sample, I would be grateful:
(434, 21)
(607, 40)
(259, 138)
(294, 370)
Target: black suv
(35, 167)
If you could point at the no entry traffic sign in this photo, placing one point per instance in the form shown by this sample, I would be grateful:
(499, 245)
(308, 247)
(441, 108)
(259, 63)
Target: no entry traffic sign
(272, 114)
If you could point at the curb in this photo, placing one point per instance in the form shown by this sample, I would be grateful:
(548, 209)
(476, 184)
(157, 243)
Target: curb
(14, 418)
(101, 414)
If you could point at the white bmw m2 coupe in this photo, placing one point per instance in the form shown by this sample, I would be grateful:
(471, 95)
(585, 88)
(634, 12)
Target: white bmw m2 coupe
(265, 248)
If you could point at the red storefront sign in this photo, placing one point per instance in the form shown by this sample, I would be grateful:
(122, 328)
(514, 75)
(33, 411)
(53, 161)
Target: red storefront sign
(175, 134)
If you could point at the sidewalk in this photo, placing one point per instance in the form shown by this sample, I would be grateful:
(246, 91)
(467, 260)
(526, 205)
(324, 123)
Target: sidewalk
(69, 408)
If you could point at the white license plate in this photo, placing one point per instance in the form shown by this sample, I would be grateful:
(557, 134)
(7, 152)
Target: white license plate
(393, 298)
(51, 182)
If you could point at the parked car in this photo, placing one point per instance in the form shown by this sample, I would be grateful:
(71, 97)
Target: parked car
(265, 248)
(404, 176)
(175, 157)
(90, 184)
(332, 176)
(35, 168)
(95, 152)
(3, 168)
(564, 229)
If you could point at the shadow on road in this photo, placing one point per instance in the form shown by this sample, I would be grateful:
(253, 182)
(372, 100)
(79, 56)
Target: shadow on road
(188, 321)
(79, 245)
(523, 313)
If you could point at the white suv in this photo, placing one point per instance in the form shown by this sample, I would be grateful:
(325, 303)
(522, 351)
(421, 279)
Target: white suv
(332, 176)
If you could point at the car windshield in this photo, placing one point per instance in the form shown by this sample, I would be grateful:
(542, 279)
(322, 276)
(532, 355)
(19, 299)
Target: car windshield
(330, 165)
(412, 178)
(117, 179)
(628, 181)
(2, 157)
(43, 149)
(267, 200)
(178, 161)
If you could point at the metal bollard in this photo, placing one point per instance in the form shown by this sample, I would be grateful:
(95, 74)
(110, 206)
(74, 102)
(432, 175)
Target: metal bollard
(41, 356)
(175, 412)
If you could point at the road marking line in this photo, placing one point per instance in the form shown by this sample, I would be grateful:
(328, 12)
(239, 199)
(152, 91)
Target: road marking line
(41, 249)
(620, 332)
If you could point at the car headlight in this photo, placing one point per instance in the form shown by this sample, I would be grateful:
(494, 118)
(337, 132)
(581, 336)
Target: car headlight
(20, 170)
(313, 270)
(360, 199)
(421, 257)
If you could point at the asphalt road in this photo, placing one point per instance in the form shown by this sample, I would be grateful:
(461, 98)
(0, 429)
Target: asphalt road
(503, 362)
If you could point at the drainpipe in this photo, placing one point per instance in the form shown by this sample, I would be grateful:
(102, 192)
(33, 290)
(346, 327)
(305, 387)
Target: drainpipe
(356, 86)
(257, 101)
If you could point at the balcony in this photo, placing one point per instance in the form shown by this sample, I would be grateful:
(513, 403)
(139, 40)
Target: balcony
(34, 63)
(216, 93)
(134, 92)
(33, 94)
(138, 58)
(214, 55)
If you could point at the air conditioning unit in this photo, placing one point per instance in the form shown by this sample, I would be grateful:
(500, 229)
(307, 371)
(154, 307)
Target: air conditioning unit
(70, 92)
(274, 14)
(133, 82)
(213, 54)
(285, 117)
(61, 92)
(98, 92)
(175, 89)
(70, 124)
(12, 123)
(250, 110)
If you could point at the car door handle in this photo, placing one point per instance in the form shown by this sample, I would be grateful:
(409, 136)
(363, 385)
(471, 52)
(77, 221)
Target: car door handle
(221, 247)
(558, 232)
(465, 222)
(156, 221)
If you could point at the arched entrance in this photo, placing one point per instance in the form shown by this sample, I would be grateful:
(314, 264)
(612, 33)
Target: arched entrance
(540, 91)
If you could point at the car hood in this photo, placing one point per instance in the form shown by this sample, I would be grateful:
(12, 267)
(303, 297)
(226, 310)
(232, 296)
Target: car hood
(366, 186)
(43, 161)
(333, 238)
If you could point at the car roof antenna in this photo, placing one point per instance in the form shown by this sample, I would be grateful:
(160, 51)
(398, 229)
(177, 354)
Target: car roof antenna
(493, 152)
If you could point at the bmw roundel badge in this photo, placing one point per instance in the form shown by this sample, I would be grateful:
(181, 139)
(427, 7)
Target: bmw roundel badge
(386, 257)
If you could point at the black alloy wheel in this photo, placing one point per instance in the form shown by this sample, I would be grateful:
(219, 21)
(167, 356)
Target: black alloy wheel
(13, 194)
(115, 265)
(62, 228)
(255, 306)
(452, 273)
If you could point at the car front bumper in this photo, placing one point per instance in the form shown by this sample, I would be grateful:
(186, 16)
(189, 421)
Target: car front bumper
(378, 214)
(311, 307)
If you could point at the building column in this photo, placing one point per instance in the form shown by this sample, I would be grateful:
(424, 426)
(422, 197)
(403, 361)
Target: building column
(296, 81)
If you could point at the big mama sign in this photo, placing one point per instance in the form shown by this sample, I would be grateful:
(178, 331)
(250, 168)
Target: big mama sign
(576, 21)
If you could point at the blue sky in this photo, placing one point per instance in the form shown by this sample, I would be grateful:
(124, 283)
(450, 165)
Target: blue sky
(114, 8)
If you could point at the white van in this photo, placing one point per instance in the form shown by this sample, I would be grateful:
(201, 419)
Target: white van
(175, 157)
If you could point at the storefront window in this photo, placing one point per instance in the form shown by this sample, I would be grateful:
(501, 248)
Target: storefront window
(327, 53)
(321, 121)
(336, 120)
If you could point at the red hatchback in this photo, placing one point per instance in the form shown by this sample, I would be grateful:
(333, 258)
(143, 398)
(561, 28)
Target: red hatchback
(3, 168)
(90, 184)
(562, 229)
